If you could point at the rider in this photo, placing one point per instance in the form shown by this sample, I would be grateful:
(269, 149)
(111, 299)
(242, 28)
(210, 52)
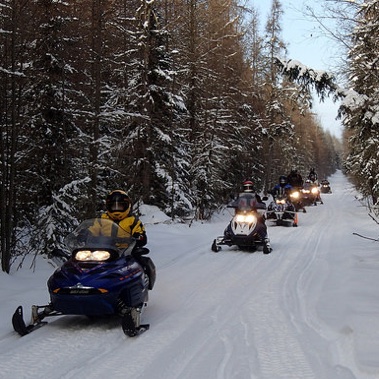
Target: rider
(295, 179)
(118, 205)
(248, 188)
(312, 176)
(282, 188)
(118, 209)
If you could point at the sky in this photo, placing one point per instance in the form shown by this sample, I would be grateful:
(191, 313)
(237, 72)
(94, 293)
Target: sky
(308, 310)
(307, 43)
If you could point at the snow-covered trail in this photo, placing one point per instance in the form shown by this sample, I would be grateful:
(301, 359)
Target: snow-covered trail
(227, 315)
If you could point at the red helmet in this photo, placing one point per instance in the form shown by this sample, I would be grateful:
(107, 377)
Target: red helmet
(248, 186)
(118, 205)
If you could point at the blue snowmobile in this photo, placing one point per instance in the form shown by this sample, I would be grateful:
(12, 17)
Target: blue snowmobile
(103, 275)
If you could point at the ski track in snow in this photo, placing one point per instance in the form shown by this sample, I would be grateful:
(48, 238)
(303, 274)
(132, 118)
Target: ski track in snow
(219, 316)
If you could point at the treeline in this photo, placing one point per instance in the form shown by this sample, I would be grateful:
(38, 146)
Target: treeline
(174, 101)
(358, 33)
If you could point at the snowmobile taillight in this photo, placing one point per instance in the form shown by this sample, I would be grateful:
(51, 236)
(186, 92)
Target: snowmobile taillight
(88, 255)
(246, 218)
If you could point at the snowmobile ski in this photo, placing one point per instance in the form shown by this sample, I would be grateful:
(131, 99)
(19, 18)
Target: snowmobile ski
(134, 332)
(131, 323)
(19, 324)
(130, 329)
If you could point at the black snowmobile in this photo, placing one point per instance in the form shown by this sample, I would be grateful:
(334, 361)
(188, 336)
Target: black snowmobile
(325, 186)
(282, 211)
(311, 193)
(103, 275)
(246, 227)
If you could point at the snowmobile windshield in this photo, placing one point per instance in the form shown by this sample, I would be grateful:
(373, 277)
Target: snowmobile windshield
(100, 233)
(245, 203)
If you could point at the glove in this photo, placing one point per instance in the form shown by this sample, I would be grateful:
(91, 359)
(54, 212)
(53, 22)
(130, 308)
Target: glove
(138, 236)
(138, 251)
(140, 239)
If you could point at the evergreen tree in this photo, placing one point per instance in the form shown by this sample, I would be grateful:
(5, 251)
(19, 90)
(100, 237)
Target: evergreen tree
(279, 129)
(361, 114)
(11, 78)
(150, 133)
(51, 134)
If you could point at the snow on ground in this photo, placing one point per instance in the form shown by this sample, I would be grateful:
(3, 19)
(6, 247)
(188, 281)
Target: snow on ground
(309, 310)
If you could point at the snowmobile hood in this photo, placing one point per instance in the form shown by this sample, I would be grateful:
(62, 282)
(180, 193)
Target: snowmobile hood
(103, 274)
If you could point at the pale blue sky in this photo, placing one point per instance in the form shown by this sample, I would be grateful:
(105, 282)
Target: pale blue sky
(307, 43)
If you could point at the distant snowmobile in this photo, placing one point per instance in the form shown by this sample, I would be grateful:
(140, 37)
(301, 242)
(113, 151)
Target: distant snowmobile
(101, 277)
(282, 212)
(311, 194)
(325, 186)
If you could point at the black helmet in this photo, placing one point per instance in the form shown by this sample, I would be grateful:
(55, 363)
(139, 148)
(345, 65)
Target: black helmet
(282, 180)
(118, 205)
(248, 186)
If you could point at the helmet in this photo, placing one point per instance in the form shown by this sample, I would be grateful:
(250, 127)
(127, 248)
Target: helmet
(282, 180)
(118, 205)
(248, 186)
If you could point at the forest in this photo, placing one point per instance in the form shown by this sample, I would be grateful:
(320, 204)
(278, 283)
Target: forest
(174, 101)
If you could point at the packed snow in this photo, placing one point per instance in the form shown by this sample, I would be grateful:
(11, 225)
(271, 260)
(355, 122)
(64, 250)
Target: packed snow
(308, 310)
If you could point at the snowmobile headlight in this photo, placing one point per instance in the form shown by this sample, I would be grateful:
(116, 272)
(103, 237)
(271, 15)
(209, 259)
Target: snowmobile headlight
(83, 255)
(88, 255)
(246, 218)
(295, 195)
(250, 219)
(101, 255)
(240, 218)
(280, 201)
(314, 190)
(306, 191)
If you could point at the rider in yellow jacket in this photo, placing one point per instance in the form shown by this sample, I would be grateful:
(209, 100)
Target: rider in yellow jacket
(118, 206)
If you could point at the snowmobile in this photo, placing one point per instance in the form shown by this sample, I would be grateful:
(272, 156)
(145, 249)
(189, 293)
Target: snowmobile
(325, 186)
(282, 211)
(311, 193)
(296, 199)
(245, 228)
(103, 274)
